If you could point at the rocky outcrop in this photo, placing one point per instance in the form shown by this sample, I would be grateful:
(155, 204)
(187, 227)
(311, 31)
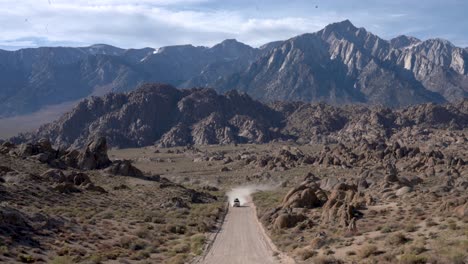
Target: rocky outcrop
(70, 182)
(124, 168)
(306, 195)
(94, 156)
(164, 115)
(339, 205)
(456, 206)
(286, 220)
(342, 205)
(168, 117)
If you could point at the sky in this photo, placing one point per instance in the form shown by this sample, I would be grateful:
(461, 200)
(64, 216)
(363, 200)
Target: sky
(157, 23)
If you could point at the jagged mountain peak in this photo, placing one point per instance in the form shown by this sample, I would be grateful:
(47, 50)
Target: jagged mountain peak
(271, 45)
(230, 42)
(344, 27)
(438, 43)
(345, 24)
(179, 48)
(231, 48)
(403, 41)
(103, 49)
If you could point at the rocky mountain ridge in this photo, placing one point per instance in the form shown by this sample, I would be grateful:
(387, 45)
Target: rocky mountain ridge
(345, 64)
(166, 116)
(338, 64)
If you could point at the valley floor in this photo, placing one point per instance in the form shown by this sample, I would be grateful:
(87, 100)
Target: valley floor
(411, 211)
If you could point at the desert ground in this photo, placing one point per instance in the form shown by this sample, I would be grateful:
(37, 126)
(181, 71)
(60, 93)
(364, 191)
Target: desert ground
(301, 203)
(402, 222)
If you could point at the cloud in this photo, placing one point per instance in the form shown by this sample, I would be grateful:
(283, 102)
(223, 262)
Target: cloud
(142, 23)
(157, 23)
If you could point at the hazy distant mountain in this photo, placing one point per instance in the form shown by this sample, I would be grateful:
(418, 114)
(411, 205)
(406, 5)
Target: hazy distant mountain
(33, 78)
(338, 64)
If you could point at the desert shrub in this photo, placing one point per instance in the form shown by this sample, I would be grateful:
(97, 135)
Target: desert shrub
(318, 242)
(202, 227)
(412, 259)
(397, 239)
(181, 248)
(176, 229)
(305, 253)
(140, 255)
(415, 249)
(411, 227)
(385, 229)
(138, 244)
(108, 215)
(197, 243)
(430, 222)
(178, 259)
(4, 250)
(26, 258)
(125, 242)
(452, 226)
(390, 228)
(112, 254)
(367, 251)
(62, 260)
(326, 260)
(95, 259)
(142, 232)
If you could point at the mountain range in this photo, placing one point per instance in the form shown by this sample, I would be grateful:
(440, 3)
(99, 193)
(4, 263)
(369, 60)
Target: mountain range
(339, 64)
(164, 115)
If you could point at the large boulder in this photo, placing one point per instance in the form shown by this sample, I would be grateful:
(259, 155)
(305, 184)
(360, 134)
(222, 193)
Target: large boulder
(287, 220)
(403, 190)
(54, 175)
(4, 170)
(12, 220)
(303, 196)
(457, 206)
(66, 188)
(343, 204)
(94, 156)
(124, 168)
(392, 173)
(78, 178)
(462, 211)
(42, 147)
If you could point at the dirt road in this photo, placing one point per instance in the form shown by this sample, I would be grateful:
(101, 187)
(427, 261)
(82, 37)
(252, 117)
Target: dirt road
(242, 240)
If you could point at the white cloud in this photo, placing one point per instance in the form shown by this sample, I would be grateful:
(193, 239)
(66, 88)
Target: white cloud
(18, 43)
(156, 23)
(141, 23)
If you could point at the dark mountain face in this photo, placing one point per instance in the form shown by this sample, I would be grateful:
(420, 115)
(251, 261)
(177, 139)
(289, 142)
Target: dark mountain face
(164, 115)
(162, 112)
(338, 64)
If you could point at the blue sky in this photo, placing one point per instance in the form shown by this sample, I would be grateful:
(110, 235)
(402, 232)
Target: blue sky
(156, 23)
